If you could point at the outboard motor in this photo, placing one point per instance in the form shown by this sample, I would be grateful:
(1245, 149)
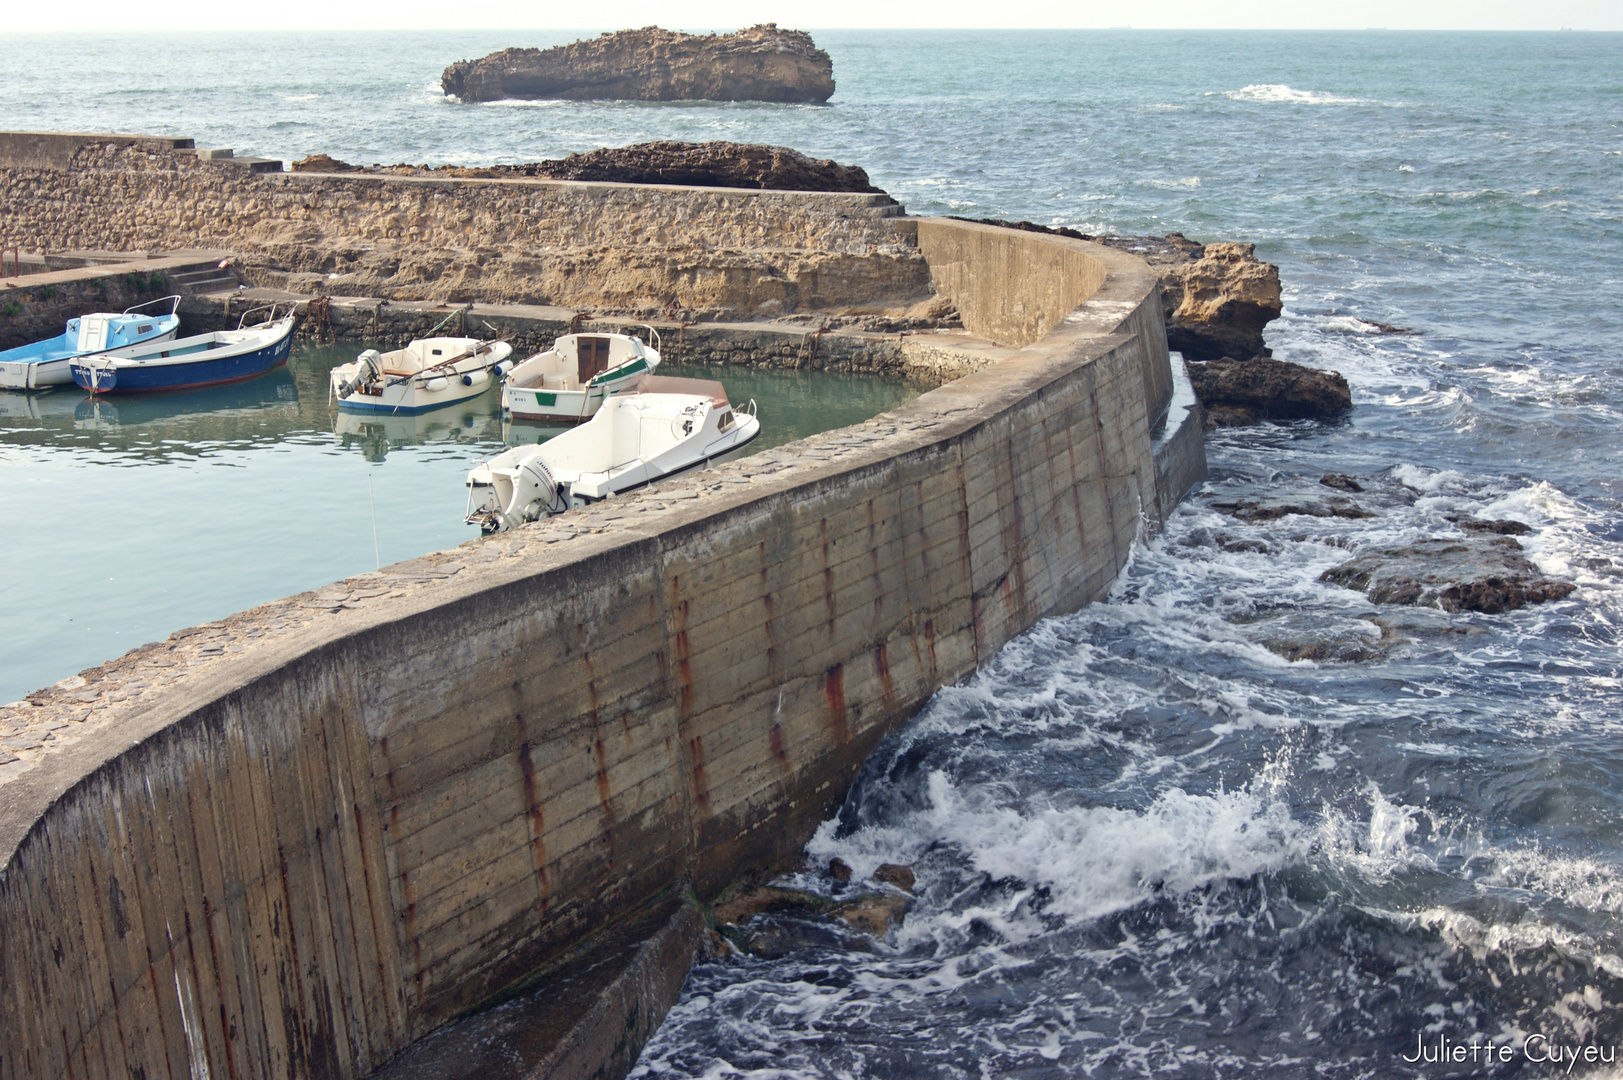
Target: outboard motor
(368, 366)
(512, 492)
(533, 484)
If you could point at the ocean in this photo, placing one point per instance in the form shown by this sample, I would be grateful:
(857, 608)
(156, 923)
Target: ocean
(1146, 843)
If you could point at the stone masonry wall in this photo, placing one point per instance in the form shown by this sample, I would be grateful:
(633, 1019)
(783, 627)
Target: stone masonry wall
(639, 247)
(290, 844)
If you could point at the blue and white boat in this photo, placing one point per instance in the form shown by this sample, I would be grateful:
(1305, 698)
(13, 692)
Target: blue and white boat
(47, 363)
(224, 356)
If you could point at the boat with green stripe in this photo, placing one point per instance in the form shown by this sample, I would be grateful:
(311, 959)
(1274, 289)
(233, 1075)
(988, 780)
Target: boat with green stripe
(568, 382)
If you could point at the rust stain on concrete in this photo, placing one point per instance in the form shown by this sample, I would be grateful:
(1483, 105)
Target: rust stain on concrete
(834, 692)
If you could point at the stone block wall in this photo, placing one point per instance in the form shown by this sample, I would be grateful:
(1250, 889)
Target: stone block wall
(295, 859)
(528, 241)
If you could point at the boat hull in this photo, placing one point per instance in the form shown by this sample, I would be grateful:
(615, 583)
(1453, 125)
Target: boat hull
(371, 385)
(408, 400)
(187, 370)
(42, 374)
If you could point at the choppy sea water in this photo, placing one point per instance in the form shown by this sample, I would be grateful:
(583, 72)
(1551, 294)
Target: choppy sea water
(1146, 843)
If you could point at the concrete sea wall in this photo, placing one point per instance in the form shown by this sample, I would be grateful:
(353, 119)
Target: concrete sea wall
(350, 817)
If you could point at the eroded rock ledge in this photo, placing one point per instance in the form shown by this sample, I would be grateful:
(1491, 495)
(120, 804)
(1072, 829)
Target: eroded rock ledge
(762, 63)
(706, 164)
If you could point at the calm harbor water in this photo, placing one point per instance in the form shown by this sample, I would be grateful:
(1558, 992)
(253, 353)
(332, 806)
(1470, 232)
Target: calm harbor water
(132, 517)
(1146, 843)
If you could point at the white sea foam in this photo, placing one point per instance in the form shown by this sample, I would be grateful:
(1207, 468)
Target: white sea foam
(1093, 860)
(1279, 92)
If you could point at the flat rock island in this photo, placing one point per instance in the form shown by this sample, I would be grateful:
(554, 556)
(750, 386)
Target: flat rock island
(762, 63)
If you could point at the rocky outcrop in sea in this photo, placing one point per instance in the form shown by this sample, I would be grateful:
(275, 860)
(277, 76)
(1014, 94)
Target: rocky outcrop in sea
(1238, 392)
(762, 63)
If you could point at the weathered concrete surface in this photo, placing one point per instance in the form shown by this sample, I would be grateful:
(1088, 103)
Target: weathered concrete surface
(361, 812)
(57, 150)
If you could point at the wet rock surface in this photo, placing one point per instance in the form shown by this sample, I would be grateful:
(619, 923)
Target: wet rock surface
(774, 919)
(762, 63)
(1485, 573)
(1238, 392)
(1273, 508)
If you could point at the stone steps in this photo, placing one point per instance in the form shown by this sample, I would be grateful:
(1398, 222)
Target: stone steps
(201, 279)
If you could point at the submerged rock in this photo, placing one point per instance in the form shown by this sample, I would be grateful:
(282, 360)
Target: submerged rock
(1477, 573)
(1271, 508)
(1238, 392)
(762, 63)
(871, 912)
(1322, 637)
(896, 874)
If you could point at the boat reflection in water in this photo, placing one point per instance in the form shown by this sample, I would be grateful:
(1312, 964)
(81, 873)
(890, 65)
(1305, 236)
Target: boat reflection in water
(476, 420)
(237, 410)
(528, 432)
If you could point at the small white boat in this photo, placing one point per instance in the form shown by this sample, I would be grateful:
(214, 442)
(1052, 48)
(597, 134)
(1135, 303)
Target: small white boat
(429, 373)
(568, 382)
(653, 429)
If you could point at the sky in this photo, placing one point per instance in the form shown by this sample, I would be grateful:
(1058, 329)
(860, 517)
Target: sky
(72, 15)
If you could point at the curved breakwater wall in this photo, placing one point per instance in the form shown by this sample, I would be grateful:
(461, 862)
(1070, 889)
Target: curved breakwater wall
(301, 856)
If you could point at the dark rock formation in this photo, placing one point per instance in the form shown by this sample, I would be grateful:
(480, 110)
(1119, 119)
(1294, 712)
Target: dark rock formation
(895, 874)
(1272, 509)
(707, 164)
(1478, 573)
(1235, 392)
(762, 63)
(872, 913)
(1341, 482)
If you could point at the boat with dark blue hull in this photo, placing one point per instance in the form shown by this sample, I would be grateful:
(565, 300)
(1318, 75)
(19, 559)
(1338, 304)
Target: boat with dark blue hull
(213, 359)
(43, 364)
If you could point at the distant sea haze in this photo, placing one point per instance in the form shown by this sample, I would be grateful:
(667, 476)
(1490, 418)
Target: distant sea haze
(1148, 842)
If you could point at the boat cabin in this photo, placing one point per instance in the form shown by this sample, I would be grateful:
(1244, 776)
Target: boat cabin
(576, 359)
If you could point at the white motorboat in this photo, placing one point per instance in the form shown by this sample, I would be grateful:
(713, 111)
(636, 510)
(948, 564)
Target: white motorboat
(429, 373)
(212, 359)
(652, 429)
(568, 382)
